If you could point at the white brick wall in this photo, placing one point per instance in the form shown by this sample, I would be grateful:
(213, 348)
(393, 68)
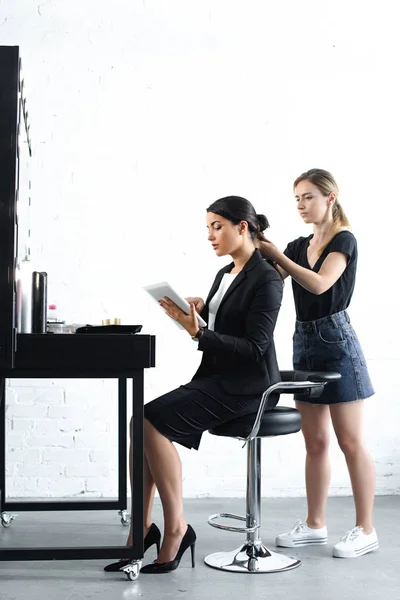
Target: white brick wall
(142, 114)
(57, 446)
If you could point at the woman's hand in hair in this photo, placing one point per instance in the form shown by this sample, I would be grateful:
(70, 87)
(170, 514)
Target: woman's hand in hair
(268, 250)
(188, 322)
(198, 303)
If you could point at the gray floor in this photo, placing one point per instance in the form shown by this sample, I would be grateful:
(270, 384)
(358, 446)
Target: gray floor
(376, 575)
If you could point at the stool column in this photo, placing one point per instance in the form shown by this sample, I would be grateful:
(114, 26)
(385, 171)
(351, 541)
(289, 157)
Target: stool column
(253, 488)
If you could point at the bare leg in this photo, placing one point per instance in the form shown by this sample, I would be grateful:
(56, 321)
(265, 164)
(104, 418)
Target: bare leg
(148, 492)
(315, 428)
(166, 469)
(347, 421)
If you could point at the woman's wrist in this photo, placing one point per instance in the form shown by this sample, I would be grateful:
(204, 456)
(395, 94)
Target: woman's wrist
(198, 335)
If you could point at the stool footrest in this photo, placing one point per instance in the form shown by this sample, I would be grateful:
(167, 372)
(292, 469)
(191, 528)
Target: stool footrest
(212, 521)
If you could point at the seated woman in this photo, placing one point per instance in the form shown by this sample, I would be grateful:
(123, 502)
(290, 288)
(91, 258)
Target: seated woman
(238, 364)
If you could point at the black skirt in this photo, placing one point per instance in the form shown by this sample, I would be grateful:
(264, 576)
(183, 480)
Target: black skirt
(185, 413)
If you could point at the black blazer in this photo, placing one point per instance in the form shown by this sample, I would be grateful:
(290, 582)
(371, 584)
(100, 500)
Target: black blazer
(240, 352)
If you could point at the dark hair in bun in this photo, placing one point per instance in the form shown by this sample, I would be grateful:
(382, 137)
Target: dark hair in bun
(237, 209)
(262, 222)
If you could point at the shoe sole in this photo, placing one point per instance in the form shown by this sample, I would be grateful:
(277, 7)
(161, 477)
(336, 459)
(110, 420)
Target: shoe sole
(304, 542)
(355, 553)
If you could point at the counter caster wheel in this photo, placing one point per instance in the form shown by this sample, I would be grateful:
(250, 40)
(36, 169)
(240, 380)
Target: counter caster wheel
(132, 571)
(133, 575)
(6, 520)
(125, 518)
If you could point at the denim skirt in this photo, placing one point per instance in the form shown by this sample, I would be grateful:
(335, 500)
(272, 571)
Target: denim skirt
(331, 344)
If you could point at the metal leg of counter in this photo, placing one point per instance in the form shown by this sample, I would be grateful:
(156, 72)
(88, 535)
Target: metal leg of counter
(137, 465)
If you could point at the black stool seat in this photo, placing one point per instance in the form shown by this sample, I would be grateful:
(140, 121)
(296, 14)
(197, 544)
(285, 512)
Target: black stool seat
(280, 420)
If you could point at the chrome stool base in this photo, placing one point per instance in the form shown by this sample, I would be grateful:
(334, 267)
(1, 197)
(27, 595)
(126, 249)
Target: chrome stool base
(251, 558)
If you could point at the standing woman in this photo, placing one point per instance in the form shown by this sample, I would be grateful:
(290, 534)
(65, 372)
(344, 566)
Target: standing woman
(323, 270)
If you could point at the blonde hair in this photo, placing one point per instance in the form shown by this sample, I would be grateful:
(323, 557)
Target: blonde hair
(326, 184)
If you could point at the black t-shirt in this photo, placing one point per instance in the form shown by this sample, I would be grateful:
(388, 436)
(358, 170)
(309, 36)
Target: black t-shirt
(309, 306)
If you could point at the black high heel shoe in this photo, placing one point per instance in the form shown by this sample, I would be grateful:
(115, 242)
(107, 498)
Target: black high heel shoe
(188, 541)
(153, 536)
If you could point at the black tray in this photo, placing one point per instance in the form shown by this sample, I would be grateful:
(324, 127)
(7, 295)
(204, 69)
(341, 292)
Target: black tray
(104, 329)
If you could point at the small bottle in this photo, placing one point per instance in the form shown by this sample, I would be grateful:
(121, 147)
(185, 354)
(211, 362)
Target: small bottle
(52, 313)
(54, 323)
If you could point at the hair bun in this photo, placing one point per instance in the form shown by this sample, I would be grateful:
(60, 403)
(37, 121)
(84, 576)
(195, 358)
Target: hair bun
(262, 222)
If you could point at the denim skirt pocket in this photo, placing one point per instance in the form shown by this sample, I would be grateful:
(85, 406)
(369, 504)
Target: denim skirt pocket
(332, 335)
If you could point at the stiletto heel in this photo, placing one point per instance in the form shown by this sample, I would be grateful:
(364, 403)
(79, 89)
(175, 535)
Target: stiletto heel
(153, 536)
(188, 541)
(192, 549)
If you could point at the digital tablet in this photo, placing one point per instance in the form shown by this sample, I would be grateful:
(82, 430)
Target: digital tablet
(159, 290)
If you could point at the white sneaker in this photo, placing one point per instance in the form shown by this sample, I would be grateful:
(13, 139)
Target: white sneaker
(302, 535)
(356, 543)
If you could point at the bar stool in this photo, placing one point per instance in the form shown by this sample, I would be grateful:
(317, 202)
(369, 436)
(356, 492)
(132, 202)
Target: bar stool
(271, 420)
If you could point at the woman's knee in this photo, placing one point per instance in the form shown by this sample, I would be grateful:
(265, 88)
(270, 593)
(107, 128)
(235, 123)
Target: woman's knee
(315, 428)
(316, 444)
(150, 432)
(147, 427)
(350, 444)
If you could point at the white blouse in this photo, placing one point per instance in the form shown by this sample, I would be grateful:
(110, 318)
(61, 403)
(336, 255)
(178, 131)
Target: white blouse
(217, 298)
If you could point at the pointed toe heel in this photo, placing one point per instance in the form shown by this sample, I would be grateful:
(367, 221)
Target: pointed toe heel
(117, 566)
(153, 536)
(188, 541)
